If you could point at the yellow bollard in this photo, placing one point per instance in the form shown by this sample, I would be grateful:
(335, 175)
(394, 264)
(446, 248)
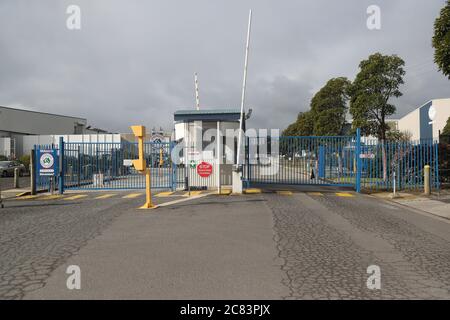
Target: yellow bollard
(148, 194)
(426, 180)
(140, 165)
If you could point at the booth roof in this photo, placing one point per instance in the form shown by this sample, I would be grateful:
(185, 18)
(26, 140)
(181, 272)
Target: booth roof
(208, 115)
(206, 111)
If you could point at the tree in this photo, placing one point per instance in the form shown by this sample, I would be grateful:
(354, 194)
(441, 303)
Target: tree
(302, 127)
(327, 114)
(397, 135)
(378, 81)
(441, 40)
(329, 106)
(446, 130)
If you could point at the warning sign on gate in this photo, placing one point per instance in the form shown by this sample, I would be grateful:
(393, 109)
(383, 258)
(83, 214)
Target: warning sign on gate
(47, 162)
(204, 169)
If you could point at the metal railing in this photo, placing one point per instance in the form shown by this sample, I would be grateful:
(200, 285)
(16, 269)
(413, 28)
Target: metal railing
(341, 161)
(104, 165)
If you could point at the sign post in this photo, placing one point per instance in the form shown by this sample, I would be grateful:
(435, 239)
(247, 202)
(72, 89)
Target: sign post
(140, 165)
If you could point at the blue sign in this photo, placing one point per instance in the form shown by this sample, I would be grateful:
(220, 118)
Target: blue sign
(47, 162)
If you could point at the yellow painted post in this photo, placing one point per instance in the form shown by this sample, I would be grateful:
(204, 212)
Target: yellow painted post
(426, 180)
(140, 165)
(148, 194)
(161, 161)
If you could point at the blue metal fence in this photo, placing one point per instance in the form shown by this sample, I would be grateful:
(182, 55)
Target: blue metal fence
(105, 166)
(108, 166)
(365, 164)
(301, 160)
(349, 161)
(401, 163)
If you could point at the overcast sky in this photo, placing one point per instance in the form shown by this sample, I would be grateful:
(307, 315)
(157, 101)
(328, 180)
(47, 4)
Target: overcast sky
(133, 61)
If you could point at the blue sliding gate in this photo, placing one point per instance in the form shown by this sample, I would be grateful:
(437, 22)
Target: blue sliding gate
(347, 161)
(301, 160)
(98, 165)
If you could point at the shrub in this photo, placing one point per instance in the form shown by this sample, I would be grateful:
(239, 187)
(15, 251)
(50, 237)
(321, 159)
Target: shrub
(25, 160)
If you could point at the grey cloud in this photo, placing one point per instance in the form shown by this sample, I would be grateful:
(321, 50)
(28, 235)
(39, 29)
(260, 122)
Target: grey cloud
(133, 61)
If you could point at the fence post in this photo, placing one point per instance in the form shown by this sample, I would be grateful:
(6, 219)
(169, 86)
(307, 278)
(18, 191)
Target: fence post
(358, 160)
(173, 167)
(61, 165)
(322, 162)
(33, 171)
(426, 180)
(436, 164)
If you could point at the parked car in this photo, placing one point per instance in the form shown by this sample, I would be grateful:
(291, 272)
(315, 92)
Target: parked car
(7, 168)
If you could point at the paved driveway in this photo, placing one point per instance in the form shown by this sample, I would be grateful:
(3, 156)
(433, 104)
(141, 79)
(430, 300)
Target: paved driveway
(312, 244)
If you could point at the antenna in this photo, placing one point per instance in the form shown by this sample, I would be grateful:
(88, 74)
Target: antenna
(244, 82)
(197, 99)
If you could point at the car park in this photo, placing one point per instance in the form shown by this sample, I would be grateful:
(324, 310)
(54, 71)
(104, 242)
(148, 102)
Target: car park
(7, 168)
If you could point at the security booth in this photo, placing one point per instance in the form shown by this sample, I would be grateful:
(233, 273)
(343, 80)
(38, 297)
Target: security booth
(207, 146)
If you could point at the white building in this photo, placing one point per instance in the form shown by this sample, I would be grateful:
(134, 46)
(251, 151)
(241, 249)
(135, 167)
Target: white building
(425, 122)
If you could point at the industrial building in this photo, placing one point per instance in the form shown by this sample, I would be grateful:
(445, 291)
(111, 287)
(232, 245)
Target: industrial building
(425, 122)
(19, 128)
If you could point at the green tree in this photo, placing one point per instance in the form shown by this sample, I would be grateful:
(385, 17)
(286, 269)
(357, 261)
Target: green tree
(446, 130)
(329, 106)
(441, 40)
(327, 114)
(303, 126)
(25, 160)
(397, 135)
(377, 81)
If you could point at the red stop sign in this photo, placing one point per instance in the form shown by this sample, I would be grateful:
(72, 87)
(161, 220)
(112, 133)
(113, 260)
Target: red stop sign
(204, 169)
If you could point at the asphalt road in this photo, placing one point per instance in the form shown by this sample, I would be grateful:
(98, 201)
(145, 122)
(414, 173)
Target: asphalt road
(327, 242)
(36, 236)
(301, 245)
